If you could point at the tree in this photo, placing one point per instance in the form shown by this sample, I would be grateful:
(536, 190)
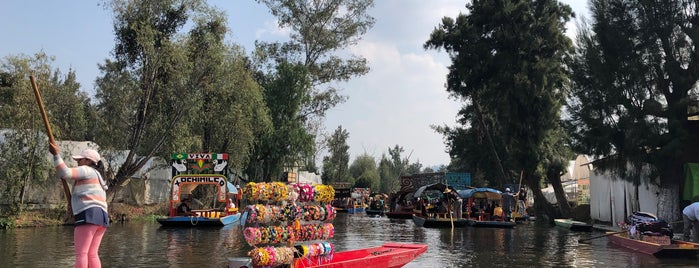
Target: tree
(393, 166)
(634, 75)
(508, 66)
(168, 91)
(23, 137)
(319, 29)
(287, 139)
(363, 168)
(335, 166)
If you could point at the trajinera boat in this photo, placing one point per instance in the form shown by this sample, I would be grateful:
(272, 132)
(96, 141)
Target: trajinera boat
(484, 208)
(667, 248)
(573, 225)
(401, 206)
(193, 176)
(433, 212)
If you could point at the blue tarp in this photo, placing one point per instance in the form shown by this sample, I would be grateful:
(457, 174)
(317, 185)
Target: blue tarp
(488, 193)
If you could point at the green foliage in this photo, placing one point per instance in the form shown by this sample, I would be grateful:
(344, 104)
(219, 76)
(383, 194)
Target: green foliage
(365, 172)
(24, 158)
(508, 66)
(7, 223)
(335, 166)
(318, 30)
(167, 90)
(634, 75)
(393, 166)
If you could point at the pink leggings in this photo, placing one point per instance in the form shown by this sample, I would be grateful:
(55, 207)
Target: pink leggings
(87, 239)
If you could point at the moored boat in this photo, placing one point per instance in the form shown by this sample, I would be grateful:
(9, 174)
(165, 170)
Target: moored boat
(356, 209)
(374, 212)
(671, 248)
(491, 224)
(391, 255)
(573, 225)
(403, 214)
(484, 208)
(205, 170)
(439, 222)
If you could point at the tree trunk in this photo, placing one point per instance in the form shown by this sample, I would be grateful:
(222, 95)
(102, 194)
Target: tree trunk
(669, 203)
(543, 209)
(554, 177)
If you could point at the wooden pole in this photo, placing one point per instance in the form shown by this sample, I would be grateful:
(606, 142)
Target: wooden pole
(519, 189)
(49, 133)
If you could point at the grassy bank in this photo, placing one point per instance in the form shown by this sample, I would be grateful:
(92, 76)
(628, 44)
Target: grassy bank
(118, 212)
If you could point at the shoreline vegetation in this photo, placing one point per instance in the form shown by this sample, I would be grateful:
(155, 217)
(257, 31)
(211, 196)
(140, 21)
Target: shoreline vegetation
(118, 212)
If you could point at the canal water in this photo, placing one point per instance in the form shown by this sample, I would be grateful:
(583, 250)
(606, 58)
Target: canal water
(148, 245)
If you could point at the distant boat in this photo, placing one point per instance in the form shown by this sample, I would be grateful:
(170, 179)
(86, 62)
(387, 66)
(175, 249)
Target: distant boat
(481, 218)
(674, 248)
(441, 222)
(573, 225)
(403, 214)
(356, 209)
(374, 212)
(491, 224)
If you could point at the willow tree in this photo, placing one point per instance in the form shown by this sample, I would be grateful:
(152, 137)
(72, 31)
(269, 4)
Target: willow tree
(320, 31)
(635, 73)
(167, 90)
(508, 68)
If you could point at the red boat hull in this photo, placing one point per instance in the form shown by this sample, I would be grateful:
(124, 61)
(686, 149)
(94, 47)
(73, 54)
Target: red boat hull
(388, 255)
(676, 249)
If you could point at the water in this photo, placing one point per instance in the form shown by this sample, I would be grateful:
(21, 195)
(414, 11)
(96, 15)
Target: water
(149, 245)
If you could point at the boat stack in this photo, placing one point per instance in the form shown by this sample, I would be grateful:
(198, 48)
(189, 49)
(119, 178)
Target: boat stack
(289, 223)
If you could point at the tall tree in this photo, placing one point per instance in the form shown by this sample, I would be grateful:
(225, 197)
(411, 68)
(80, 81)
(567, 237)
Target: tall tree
(363, 169)
(634, 75)
(393, 166)
(169, 91)
(320, 30)
(336, 165)
(508, 67)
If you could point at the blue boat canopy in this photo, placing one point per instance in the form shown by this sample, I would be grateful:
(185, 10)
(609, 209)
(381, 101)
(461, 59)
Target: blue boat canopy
(487, 193)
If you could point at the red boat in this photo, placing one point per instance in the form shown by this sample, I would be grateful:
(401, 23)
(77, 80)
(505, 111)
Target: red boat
(676, 248)
(388, 255)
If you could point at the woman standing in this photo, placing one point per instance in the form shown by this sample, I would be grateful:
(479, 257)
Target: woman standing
(89, 203)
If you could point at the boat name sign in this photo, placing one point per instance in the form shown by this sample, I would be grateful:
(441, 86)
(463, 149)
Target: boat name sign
(215, 180)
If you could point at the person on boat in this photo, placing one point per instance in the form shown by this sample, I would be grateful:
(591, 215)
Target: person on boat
(522, 201)
(185, 209)
(690, 214)
(455, 199)
(88, 202)
(497, 213)
(508, 200)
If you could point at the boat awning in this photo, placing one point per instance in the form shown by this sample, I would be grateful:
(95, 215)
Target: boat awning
(488, 193)
(231, 188)
(435, 186)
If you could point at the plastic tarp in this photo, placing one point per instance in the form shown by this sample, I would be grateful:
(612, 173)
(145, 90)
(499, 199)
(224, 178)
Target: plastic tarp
(480, 193)
(691, 181)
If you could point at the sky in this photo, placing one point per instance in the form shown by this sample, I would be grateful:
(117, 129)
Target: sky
(394, 104)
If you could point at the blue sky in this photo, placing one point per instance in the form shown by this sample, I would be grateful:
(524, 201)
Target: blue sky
(394, 104)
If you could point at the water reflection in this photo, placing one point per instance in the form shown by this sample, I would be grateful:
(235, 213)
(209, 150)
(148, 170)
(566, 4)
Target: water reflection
(149, 245)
